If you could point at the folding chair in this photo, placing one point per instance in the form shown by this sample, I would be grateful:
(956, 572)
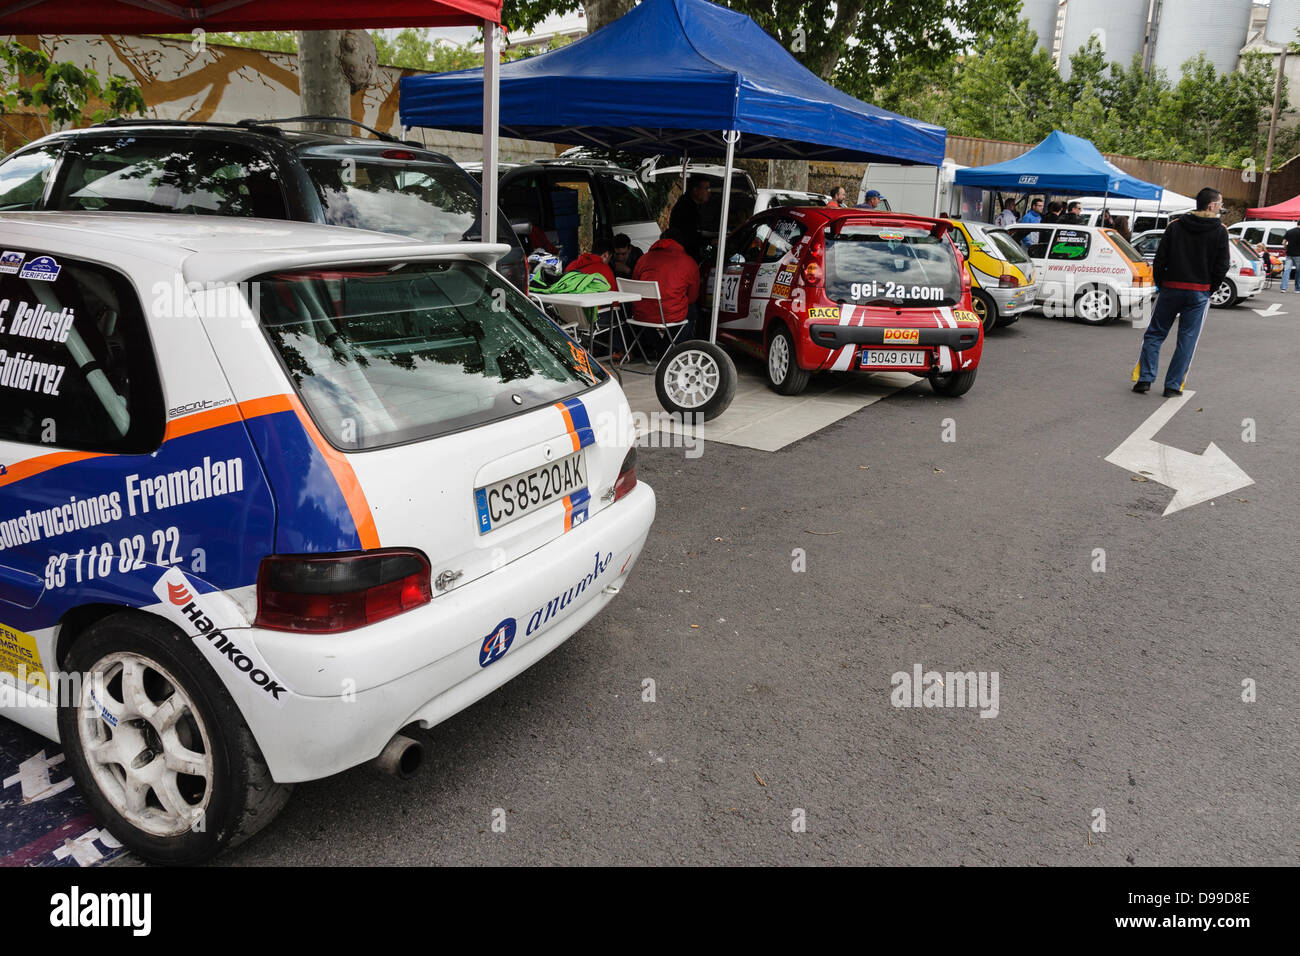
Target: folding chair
(647, 290)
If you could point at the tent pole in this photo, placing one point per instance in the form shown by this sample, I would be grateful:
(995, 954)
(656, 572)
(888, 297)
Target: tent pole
(731, 137)
(491, 125)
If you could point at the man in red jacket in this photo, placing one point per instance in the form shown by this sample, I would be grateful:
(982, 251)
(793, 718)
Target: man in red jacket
(596, 262)
(669, 264)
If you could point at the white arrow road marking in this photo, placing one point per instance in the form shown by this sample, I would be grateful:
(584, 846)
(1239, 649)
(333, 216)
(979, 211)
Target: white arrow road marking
(1274, 309)
(1194, 478)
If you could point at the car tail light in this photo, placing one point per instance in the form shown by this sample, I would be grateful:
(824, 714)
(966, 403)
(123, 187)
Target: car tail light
(398, 154)
(812, 274)
(1247, 271)
(626, 475)
(1006, 281)
(328, 593)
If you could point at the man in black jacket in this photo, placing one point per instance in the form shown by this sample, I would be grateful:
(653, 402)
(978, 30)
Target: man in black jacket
(1191, 261)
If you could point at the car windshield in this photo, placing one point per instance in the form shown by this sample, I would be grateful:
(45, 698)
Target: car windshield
(391, 353)
(1010, 250)
(880, 264)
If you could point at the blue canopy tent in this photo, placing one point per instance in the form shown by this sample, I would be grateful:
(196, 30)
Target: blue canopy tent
(668, 77)
(675, 77)
(1062, 164)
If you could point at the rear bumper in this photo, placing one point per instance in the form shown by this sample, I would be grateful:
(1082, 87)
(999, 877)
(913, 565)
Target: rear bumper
(1014, 301)
(351, 692)
(837, 336)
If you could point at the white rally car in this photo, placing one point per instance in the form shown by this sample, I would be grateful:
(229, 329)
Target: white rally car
(271, 492)
(1087, 272)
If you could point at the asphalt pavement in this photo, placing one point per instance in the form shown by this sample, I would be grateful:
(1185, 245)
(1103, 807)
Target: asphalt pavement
(1146, 665)
(740, 701)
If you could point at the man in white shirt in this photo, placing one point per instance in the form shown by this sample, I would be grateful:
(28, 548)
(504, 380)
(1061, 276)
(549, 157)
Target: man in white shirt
(1007, 217)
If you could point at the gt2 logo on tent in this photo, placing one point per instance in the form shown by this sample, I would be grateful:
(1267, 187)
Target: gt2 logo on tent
(181, 605)
(1028, 180)
(496, 644)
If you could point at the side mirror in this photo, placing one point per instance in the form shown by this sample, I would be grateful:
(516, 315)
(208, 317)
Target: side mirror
(737, 259)
(521, 229)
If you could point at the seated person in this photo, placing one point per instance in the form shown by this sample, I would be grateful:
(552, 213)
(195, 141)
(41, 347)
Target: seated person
(596, 262)
(625, 256)
(669, 264)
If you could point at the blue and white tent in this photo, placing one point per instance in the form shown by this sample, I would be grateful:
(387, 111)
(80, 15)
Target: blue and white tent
(1061, 164)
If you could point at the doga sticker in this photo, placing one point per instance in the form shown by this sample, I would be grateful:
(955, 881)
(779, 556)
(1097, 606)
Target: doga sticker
(182, 605)
(910, 336)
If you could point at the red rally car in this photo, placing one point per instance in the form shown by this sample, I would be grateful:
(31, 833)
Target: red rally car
(816, 289)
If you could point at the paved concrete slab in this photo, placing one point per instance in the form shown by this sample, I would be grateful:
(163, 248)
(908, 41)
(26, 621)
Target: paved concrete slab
(760, 418)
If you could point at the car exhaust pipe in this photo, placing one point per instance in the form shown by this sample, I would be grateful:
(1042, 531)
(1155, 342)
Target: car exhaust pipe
(401, 757)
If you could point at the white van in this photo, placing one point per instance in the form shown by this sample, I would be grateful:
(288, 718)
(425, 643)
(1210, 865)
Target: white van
(1143, 214)
(271, 492)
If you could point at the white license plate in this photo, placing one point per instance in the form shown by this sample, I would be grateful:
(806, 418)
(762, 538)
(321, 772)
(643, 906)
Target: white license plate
(896, 358)
(504, 501)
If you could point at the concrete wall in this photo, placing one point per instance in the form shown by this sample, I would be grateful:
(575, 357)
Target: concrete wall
(225, 84)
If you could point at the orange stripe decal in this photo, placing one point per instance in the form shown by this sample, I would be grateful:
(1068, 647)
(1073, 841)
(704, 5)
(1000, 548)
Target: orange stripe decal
(568, 424)
(35, 466)
(339, 466)
(568, 512)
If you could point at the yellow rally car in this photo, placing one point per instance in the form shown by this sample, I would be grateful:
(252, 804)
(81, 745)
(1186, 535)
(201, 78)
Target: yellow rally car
(1002, 276)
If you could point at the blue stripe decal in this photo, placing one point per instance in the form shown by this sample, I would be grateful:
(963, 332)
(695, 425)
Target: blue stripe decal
(579, 499)
(581, 421)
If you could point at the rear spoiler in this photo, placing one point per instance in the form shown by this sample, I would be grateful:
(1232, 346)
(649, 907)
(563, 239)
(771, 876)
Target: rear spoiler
(938, 227)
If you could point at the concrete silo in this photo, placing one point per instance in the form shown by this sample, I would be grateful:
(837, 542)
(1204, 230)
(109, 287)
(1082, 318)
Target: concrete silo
(1041, 15)
(1184, 28)
(1283, 21)
(1120, 26)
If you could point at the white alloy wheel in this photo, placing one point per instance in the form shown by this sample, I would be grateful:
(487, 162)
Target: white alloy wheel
(778, 359)
(691, 378)
(146, 745)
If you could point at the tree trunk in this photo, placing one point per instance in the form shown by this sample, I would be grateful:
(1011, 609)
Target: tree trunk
(789, 174)
(604, 12)
(323, 89)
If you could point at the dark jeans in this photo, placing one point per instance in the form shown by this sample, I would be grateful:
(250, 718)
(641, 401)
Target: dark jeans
(1186, 306)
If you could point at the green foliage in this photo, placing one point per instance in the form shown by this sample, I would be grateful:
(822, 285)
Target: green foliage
(1007, 88)
(412, 49)
(276, 41)
(62, 92)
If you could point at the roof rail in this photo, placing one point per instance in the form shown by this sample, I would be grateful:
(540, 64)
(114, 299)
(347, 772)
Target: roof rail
(253, 124)
(128, 121)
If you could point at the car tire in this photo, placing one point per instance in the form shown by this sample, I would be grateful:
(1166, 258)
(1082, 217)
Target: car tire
(1225, 296)
(695, 377)
(984, 306)
(1096, 305)
(784, 375)
(163, 712)
(952, 384)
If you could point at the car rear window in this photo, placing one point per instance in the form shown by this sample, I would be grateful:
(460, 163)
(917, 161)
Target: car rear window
(138, 174)
(427, 201)
(392, 353)
(871, 264)
(1124, 246)
(1247, 250)
(1011, 250)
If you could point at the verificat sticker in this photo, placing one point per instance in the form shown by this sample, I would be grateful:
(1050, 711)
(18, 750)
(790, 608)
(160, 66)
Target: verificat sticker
(42, 268)
(11, 262)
